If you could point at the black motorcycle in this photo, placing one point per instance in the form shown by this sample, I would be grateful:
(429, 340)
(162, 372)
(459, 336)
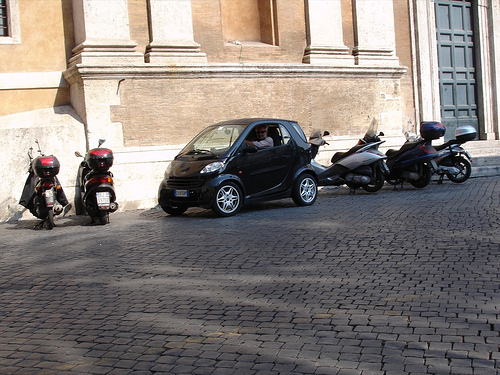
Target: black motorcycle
(43, 194)
(97, 192)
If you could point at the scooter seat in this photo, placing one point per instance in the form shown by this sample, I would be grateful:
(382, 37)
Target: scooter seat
(391, 152)
(444, 145)
(337, 156)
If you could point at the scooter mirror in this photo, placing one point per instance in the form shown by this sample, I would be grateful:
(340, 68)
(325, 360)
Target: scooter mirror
(101, 141)
(78, 154)
(381, 134)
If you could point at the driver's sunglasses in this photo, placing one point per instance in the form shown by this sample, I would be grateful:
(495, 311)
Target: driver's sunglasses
(261, 131)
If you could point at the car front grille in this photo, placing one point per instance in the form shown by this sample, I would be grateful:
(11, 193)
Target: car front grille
(184, 183)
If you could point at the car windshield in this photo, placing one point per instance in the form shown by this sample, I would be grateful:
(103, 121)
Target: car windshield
(215, 140)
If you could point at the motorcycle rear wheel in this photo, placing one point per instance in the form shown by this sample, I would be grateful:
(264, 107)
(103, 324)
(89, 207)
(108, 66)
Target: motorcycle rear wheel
(425, 177)
(50, 218)
(103, 217)
(376, 184)
(465, 170)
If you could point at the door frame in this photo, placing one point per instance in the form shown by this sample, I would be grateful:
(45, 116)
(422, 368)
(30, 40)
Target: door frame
(425, 63)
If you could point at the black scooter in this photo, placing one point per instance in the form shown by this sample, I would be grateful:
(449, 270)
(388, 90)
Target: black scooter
(415, 161)
(97, 192)
(43, 195)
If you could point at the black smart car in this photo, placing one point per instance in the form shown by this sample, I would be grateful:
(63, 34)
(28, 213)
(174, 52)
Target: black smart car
(219, 170)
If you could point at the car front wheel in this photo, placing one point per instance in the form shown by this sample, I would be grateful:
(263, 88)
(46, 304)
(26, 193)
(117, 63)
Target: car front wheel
(227, 200)
(305, 190)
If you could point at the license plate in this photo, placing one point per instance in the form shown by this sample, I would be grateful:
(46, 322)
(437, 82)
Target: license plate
(49, 193)
(103, 199)
(181, 193)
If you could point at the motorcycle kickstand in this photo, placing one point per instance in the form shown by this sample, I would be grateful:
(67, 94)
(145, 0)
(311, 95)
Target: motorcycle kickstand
(441, 179)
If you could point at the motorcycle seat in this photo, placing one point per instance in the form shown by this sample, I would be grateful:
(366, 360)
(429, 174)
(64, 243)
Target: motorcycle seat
(447, 144)
(340, 155)
(337, 156)
(392, 153)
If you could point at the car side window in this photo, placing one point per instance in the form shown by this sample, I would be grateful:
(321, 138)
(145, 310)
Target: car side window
(285, 135)
(273, 131)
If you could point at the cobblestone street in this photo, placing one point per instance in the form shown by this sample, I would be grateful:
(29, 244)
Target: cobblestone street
(403, 281)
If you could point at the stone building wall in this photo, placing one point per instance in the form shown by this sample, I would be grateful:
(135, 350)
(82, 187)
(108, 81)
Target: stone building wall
(171, 111)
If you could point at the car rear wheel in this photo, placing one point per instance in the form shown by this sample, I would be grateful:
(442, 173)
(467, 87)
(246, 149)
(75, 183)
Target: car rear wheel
(305, 190)
(227, 200)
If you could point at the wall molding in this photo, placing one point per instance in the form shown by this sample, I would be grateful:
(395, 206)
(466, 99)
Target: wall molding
(32, 80)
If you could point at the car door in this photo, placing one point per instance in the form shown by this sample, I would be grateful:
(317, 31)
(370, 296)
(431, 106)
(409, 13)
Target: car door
(265, 171)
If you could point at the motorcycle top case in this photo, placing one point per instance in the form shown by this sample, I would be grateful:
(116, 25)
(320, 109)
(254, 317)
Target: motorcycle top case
(46, 166)
(99, 159)
(465, 133)
(432, 130)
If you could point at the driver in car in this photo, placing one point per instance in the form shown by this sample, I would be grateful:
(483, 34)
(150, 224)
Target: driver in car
(262, 140)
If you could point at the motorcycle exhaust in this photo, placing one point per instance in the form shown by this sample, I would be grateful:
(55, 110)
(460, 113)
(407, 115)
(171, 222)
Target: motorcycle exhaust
(410, 176)
(451, 170)
(113, 206)
(357, 178)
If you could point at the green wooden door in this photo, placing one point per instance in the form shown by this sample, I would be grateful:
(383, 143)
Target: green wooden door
(457, 73)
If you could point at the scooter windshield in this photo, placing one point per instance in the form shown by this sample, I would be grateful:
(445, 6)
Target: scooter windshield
(214, 140)
(372, 129)
(371, 134)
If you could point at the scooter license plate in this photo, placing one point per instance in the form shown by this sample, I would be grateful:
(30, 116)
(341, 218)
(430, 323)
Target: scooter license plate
(181, 193)
(103, 199)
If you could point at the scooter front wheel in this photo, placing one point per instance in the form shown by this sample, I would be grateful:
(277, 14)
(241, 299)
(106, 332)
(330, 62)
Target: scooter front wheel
(465, 169)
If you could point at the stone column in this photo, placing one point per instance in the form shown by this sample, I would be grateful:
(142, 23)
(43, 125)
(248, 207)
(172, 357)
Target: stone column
(425, 60)
(324, 34)
(171, 34)
(495, 20)
(102, 33)
(486, 65)
(375, 42)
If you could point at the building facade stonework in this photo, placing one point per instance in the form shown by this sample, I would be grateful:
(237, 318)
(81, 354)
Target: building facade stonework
(148, 75)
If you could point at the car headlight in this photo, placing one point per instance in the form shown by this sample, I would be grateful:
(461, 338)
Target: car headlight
(213, 167)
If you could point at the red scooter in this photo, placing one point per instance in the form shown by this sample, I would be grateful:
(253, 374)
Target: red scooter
(43, 195)
(97, 192)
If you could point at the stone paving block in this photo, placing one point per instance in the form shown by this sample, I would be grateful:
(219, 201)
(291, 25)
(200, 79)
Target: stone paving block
(308, 290)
